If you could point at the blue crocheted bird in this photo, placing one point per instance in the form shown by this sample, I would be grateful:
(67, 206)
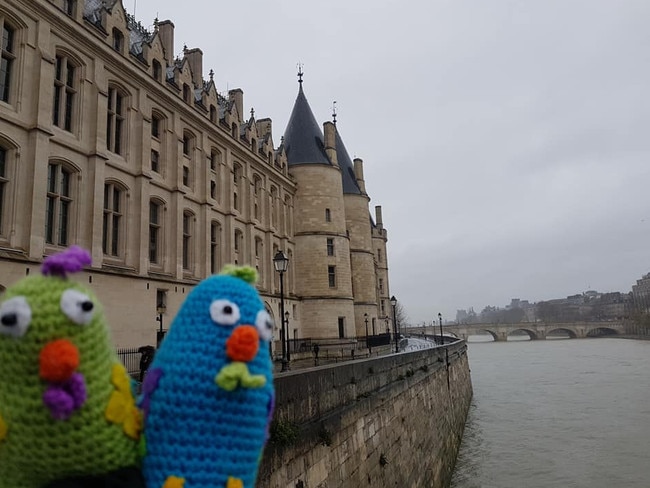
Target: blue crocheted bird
(208, 396)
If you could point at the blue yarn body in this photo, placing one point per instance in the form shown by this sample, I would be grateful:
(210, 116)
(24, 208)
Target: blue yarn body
(193, 428)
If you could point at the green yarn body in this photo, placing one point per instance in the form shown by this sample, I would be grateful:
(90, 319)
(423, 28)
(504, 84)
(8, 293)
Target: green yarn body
(37, 448)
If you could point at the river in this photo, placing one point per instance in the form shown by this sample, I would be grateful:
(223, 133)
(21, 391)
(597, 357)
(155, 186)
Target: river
(569, 413)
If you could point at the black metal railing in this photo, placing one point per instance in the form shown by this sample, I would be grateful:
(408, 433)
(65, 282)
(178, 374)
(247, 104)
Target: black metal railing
(136, 360)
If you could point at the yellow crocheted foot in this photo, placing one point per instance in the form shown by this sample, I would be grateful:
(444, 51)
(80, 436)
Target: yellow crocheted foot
(234, 483)
(174, 482)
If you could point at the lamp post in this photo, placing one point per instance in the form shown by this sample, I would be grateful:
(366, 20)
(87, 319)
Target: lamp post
(440, 322)
(365, 316)
(281, 263)
(393, 302)
(286, 321)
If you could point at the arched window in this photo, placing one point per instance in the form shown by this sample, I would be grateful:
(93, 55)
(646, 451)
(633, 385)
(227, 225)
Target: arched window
(4, 188)
(65, 91)
(286, 223)
(234, 131)
(257, 184)
(258, 247)
(239, 238)
(113, 227)
(188, 242)
(59, 204)
(189, 142)
(157, 122)
(215, 159)
(274, 206)
(236, 173)
(116, 120)
(156, 209)
(157, 141)
(7, 59)
(215, 246)
(213, 114)
(259, 257)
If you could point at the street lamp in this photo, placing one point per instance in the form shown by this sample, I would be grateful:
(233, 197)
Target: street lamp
(365, 316)
(440, 321)
(281, 263)
(393, 302)
(286, 321)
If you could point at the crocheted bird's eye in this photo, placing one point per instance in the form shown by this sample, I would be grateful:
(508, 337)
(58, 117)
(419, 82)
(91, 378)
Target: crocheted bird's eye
(15, 316)
(224, 312)
(264, 324)
(77, 306)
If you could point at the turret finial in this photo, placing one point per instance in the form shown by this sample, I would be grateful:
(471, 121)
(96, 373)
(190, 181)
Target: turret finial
(252, 113)
(211, 75)
(300, 73)
(334, 112)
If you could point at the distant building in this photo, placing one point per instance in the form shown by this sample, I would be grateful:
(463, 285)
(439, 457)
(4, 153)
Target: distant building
(641, 294)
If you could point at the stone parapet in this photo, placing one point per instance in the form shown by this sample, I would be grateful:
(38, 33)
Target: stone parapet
(391, 421)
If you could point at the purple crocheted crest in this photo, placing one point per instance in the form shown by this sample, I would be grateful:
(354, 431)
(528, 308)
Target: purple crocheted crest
(72, 260)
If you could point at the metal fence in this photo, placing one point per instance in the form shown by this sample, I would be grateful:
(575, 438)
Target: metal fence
(130, 358)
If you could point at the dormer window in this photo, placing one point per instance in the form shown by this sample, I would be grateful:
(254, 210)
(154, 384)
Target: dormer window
(213, 114)
(156, 68)
(68, 7)
(186, 93)
(118, 40)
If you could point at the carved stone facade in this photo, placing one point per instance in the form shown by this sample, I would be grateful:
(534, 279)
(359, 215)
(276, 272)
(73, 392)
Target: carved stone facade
(111, 141)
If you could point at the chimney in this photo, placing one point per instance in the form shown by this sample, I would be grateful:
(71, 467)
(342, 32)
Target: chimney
(329, 129)
(358, 174)
(263, 126)
(166, 33)
(236, 95)
(195, 58)
(378, 219)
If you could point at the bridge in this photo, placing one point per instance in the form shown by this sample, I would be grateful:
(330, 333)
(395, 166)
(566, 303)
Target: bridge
(534, 330)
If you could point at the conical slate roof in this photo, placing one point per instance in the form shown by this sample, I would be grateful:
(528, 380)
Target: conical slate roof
(303, 139)
(347, 168)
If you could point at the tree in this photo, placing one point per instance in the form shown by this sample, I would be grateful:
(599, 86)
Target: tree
(546, 311)
(401, 316)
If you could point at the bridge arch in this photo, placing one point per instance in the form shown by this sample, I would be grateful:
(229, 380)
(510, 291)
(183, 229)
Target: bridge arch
(477, 331)
(571, 333)
(531, 334)
(602, 331)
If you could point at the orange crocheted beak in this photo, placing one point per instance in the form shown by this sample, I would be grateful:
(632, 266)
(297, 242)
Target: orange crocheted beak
(58, 360)
(243, 343)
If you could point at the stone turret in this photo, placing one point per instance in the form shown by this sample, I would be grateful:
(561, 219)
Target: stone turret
(357, 218)
(322, 261)
(379, 240)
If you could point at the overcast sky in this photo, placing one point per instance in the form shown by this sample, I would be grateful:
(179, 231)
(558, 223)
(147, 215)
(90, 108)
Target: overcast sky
(508, 142)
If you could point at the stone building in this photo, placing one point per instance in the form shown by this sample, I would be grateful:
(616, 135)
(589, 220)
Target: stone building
(111, 141)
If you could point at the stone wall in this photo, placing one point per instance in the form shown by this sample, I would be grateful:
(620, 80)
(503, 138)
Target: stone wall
(391, 421)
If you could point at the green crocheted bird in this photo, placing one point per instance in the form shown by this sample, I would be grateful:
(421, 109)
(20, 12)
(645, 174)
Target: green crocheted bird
(66, 406)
